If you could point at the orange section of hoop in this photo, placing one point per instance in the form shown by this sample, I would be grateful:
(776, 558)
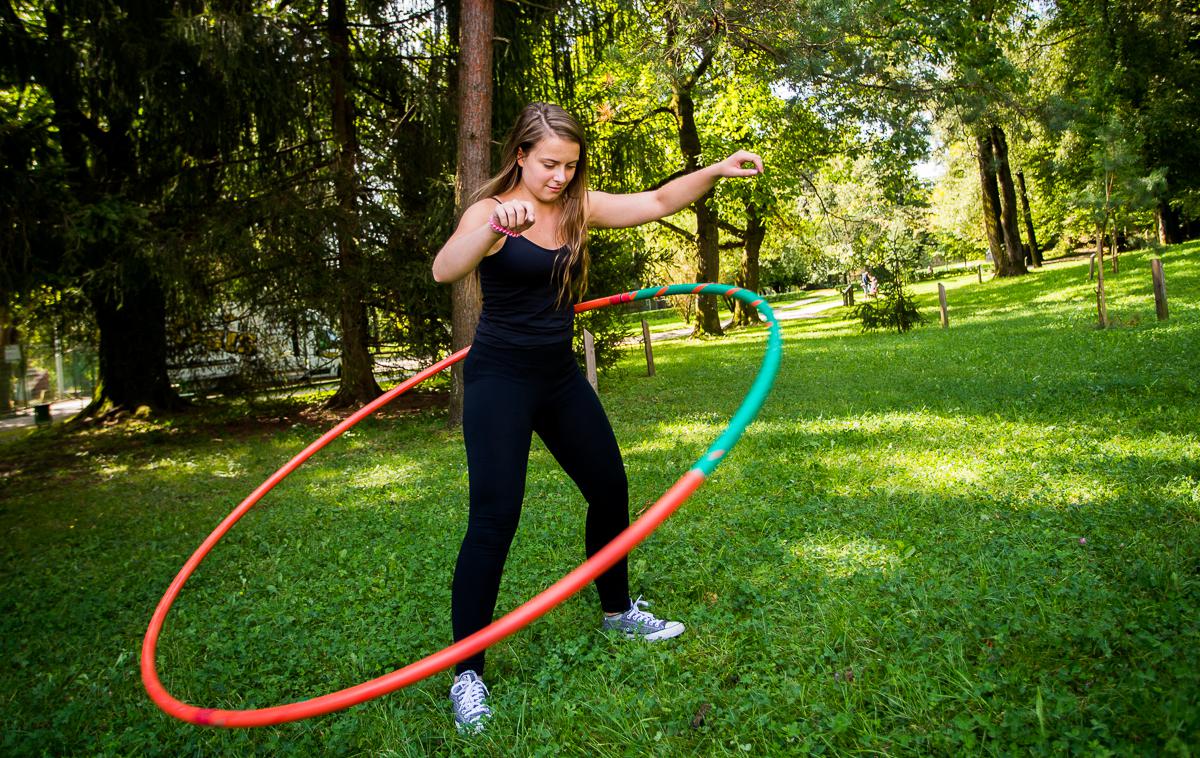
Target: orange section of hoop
(503, 627)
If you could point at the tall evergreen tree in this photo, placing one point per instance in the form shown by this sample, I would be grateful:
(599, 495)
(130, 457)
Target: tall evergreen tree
(139, 107)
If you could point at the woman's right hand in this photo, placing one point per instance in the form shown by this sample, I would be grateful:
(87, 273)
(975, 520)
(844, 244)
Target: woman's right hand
(475, 239)
(514, 215)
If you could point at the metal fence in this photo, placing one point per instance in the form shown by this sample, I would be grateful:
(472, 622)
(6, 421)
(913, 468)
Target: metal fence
(37, 371)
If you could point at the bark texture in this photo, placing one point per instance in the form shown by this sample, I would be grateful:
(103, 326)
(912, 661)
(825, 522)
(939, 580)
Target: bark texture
(1009, 215)
(133, 347)
(477, 21)
(1000, 215)
(357, 386)
(747, 276)
(708, 257)
(1035, 254)
(990, 193)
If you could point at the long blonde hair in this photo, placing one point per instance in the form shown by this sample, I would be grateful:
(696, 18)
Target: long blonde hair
(537, 122)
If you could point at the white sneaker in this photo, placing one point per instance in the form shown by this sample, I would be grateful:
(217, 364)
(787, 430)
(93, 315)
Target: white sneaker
(469, 696)
(637, 624)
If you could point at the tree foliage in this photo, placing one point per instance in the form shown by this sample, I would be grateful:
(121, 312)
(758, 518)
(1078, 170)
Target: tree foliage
(167, 163)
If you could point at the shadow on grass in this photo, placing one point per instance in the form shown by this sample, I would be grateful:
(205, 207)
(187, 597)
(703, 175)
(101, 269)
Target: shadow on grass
(922, 537)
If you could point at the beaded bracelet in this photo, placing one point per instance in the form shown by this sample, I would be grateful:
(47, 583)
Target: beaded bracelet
(501, 229)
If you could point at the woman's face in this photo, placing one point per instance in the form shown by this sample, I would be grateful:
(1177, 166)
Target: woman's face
(548, 167)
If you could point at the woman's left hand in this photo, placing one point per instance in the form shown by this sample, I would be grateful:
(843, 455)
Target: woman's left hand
(734, 164)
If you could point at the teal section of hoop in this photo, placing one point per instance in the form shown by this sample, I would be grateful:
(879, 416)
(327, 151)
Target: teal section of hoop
(763, 382)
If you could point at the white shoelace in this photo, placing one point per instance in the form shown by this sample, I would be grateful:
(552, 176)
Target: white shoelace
(470, 694)
(638, 616)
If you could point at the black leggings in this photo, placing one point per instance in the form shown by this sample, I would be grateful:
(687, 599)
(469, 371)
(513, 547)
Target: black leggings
(511, 393)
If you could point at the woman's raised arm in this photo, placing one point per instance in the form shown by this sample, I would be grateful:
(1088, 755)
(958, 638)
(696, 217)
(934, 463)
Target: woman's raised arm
(619, 211)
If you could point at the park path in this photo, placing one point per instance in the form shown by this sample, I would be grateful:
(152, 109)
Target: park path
(59, 411)
(810, 308)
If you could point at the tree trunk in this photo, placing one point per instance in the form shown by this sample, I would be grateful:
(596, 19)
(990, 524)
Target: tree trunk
(7, 337)
(1168, 224)
(102, 162)
(708, 263)
(358, 385)
(132, 321)
(1115, 250)
(1101, 302)
(991, 202)
(1035, 254)
(747, 277)
(474, 85)
(1009, 223)
(708, 254)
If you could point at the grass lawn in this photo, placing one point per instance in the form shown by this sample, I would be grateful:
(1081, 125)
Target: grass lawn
(668, 319)
(978, 540)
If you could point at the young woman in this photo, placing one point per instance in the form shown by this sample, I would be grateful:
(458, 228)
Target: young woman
(527, 239)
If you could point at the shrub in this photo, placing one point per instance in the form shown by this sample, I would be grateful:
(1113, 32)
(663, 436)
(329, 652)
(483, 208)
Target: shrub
(893, 309)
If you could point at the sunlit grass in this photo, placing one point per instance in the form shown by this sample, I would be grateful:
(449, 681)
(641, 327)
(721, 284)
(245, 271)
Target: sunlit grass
(982, 539)
(842, 557)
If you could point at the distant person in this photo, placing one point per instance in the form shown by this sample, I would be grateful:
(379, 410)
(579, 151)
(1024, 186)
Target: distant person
(38, 382)
(526, 236)
(865, 280)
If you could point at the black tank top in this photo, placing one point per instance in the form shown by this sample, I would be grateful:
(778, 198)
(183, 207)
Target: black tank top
(520, 288)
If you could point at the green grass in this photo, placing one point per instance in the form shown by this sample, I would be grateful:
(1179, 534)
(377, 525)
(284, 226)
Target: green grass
(979, 540)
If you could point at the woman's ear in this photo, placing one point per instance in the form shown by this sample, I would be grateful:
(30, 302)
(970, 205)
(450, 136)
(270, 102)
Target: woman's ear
(520, 157)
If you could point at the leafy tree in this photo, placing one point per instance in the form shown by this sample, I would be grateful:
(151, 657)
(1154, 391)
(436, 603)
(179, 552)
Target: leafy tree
(980, 90)
(131, 108)
(357, 381)
(1137, 61)
(956, 215)
(746, 114)
(388, 155)
(855, 218)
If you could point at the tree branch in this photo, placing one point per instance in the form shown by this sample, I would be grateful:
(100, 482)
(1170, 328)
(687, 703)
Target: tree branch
(740, 233)
(690, 82)
(664, 180)
(678, 230)
(637, 121)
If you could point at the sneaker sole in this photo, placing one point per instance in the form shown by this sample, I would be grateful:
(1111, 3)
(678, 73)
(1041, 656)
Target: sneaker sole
(469, 728)
(665, 634)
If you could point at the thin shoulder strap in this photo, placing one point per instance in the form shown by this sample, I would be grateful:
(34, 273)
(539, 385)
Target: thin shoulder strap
(496, 198)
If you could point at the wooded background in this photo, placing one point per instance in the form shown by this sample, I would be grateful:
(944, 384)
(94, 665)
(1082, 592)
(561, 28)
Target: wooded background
(165, 163)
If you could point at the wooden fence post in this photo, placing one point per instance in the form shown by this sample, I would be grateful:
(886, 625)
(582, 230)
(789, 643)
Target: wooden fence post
(1160, 289)
(1092, 270)
(942, 301)
(979, 270)
(589, 358)
(649, 349)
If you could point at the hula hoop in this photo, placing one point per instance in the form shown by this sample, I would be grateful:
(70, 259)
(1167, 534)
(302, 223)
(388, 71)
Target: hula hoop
(515, 620)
